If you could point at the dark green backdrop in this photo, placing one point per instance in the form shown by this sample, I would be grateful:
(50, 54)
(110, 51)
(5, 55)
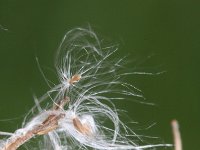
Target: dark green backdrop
(167, 29)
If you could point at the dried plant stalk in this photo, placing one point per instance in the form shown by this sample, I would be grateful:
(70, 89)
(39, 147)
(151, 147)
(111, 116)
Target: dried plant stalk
(177, 135)
(48, 125)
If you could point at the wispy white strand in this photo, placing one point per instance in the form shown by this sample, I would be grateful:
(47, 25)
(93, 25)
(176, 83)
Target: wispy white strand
(6, 133)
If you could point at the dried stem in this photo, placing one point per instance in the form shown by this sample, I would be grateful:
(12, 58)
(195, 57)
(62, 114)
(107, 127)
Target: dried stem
(177, 135)
(48, 125)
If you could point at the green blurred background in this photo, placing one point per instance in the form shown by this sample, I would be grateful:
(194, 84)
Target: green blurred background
(167, 29)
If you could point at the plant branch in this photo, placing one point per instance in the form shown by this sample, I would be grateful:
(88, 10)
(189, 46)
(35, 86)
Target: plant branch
(48, 125)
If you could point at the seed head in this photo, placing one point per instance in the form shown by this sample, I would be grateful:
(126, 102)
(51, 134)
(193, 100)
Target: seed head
(78, 113)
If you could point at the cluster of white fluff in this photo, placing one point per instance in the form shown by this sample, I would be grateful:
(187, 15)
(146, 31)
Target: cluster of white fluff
(87, 77)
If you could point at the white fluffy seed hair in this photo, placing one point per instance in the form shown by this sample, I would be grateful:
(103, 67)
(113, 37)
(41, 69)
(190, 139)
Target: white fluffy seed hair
(87, 77)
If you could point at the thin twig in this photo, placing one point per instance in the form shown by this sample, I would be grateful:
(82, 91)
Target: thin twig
(177, 135)
(48, 125)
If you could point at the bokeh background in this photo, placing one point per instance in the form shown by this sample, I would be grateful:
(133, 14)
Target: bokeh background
(167, 30)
